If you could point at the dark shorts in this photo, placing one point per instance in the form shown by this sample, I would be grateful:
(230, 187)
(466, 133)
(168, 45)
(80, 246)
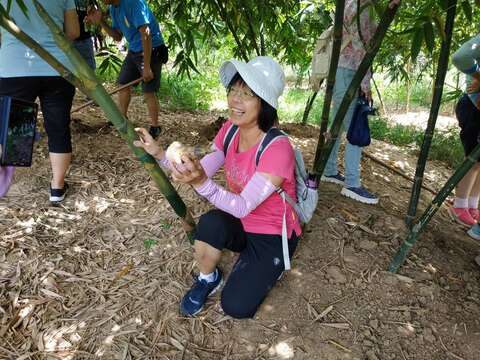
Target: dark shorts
(56, 95)
(258, 267)
(132, 69)
(468, 117)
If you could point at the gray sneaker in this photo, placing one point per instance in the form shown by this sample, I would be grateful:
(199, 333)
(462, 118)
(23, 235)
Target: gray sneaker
(335, 179)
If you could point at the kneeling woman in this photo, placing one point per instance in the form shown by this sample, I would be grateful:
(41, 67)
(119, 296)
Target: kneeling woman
(249, 215)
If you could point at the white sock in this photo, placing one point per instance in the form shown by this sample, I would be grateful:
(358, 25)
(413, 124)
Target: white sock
(460, 203)
(208, 277)
(473, 202)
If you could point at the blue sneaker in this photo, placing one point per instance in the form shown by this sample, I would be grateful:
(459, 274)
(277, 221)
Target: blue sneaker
(336, 179)
(474, 232)
(193, 301)
(360, 194)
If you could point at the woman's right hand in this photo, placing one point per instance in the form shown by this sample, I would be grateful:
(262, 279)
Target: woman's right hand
(148, 143)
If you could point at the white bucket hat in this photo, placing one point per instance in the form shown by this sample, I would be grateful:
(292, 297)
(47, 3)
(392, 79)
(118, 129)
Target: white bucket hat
(262, 74)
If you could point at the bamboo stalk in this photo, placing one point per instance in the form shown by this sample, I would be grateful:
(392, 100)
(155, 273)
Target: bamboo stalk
(382, 104)
(114, 91)
(332, 73)
(95, 90)
(308, 106)
(436, 203)
(435, 106)
(325, 148)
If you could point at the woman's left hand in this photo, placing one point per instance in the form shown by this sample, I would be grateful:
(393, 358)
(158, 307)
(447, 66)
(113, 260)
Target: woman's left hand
(190, 172)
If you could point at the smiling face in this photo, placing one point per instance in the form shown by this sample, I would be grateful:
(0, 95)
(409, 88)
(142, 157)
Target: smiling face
(243, 105)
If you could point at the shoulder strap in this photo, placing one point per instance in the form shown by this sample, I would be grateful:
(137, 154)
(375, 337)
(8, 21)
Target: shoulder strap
(232, 130)
(272, 134)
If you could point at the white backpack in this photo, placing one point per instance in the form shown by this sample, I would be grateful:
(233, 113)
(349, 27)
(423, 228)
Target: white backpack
(322, 56)
(306, 188)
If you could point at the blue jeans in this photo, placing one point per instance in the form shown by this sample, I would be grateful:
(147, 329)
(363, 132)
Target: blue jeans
(353, 153)
(85, 48)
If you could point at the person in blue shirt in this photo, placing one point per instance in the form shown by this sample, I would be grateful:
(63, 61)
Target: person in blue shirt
(134, 20)
(24, 75)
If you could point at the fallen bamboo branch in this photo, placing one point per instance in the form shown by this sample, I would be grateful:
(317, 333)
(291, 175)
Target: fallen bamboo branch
(397, 171)
(114, 91)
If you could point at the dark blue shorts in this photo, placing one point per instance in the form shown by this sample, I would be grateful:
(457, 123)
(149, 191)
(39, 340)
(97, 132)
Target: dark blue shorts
(132, 69)
(468, 117)
(56, 95)
(258, 267)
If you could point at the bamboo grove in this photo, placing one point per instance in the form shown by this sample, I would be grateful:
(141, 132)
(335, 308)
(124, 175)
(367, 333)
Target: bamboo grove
(275, 31)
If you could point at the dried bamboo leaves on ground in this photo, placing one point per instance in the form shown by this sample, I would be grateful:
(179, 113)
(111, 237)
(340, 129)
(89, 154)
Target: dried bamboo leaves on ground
(101, 276)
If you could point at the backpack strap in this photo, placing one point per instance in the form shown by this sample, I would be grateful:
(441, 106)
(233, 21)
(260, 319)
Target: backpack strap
(227, 140)
(271, 135)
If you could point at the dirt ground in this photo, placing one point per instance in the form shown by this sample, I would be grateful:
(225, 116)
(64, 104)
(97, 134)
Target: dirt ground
(101, 276)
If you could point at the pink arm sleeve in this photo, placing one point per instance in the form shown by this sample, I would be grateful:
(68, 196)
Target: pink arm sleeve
(240, 205)
(210, 162)
(213, 161)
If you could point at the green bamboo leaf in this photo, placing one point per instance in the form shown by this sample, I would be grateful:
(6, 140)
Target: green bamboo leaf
(467, 10)
(416, 43)
(429, 36)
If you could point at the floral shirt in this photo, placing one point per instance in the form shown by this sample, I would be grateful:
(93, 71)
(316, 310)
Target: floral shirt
(353, 54)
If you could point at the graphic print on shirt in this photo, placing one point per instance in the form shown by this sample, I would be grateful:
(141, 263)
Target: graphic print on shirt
(237, 177)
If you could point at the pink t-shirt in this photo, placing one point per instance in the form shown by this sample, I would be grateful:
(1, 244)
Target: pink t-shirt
(277, 159)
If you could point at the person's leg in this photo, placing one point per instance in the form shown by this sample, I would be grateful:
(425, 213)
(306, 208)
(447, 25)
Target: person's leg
(468, 118)
(254, 274)
(60, 163)
(149, 91)
(152, 107)
(128, 73)
(124, 97)
(216, 231)
(56, 98)
(474, 195)
(342, 81)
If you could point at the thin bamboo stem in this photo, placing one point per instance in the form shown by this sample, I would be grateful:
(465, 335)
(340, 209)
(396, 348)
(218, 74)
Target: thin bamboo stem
(435, 106)
(114, 91)
(324, 149)
(332, 73)
(396, 171)
(382, 104)
(224, 16)
(95, 90)
(308, 106)
(436, 203)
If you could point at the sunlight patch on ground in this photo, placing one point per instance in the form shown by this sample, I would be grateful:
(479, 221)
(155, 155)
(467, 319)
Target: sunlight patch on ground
(420, 119)
(282, 350)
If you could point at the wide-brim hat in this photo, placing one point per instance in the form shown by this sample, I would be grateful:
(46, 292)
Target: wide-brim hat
(263, 75)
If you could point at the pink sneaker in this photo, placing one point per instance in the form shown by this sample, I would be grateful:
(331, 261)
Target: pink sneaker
(462, 216)
(474, 213)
